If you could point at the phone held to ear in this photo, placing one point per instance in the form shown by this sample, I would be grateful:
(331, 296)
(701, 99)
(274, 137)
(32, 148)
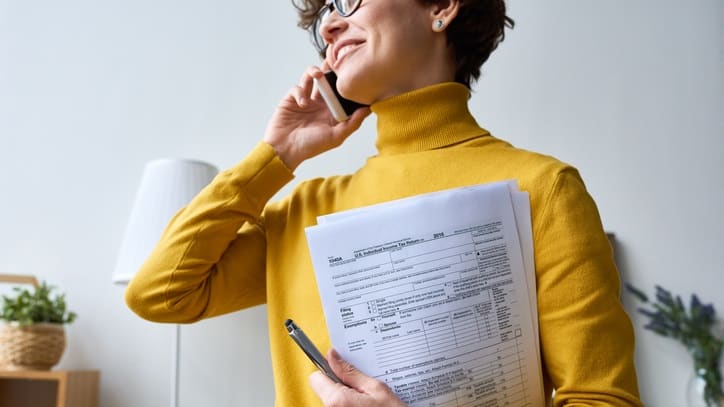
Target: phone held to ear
(340, 107)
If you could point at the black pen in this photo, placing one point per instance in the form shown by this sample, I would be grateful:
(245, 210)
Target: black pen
(310, 350)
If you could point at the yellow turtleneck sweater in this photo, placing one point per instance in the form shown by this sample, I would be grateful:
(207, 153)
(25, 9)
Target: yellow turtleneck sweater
(229, 249)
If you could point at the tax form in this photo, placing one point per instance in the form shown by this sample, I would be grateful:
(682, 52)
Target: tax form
(435, 295)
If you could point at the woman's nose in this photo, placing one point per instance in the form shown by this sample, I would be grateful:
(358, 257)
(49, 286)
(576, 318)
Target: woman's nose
(331, 27)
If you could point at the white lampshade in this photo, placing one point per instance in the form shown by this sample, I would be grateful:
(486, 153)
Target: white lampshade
(166, 186)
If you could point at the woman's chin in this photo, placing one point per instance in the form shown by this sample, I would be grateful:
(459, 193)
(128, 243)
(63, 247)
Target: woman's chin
(357, 94)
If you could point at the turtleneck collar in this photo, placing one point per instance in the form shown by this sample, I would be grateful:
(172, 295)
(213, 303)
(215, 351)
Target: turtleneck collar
(424, 119)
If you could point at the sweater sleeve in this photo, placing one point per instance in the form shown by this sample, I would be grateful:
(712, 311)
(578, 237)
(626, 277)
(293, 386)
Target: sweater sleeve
(586, 336)
(210, 259)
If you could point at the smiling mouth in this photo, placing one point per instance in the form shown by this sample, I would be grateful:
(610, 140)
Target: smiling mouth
(344, 51)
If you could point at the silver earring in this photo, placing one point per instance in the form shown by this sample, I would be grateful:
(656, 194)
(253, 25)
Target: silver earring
(439, 24)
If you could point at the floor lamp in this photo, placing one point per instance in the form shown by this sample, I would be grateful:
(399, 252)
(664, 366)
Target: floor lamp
(166, 186)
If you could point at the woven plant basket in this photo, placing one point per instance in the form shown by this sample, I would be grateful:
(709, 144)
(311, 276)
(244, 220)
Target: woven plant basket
(32, 347)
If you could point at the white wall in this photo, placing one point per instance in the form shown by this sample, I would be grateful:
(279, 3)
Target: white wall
(632, 93)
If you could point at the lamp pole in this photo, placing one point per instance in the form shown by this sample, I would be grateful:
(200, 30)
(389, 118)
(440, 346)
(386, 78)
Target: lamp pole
(166, 186)
(175, 362)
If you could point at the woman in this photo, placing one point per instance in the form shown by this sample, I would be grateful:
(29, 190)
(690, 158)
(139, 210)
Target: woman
(413, 62)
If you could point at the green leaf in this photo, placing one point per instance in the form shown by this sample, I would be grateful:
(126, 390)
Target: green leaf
(637, 293)
(27, 307)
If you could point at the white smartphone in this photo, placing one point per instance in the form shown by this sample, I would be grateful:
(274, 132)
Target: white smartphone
(340, 107)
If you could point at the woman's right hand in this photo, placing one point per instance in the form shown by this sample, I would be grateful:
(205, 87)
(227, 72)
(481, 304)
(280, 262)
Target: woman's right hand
(358, 390)
(302, 126)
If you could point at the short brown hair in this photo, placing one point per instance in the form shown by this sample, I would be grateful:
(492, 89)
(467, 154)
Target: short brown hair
(474, 34)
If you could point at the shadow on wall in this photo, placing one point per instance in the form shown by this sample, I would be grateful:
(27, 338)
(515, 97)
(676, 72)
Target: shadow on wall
(620, 257)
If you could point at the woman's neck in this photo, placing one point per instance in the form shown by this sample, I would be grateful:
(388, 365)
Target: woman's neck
(424, 119)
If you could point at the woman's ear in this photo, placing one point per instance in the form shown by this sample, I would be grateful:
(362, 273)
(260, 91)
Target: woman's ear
(443, 13)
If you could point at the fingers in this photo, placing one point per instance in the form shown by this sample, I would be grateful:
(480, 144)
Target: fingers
(349, 374)
(360, 389)
(344, 129)
(302, 93)
(325, 388)
(359, 115)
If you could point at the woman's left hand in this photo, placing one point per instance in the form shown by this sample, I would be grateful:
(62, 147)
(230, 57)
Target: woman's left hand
(362, 391)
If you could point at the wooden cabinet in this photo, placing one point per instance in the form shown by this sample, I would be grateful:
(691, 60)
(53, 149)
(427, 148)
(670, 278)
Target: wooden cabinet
(55, 388)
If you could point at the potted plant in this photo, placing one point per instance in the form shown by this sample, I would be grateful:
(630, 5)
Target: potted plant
(32, 332)
(692, 326)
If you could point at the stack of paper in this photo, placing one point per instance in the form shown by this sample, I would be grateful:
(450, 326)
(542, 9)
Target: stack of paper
(435, 295)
